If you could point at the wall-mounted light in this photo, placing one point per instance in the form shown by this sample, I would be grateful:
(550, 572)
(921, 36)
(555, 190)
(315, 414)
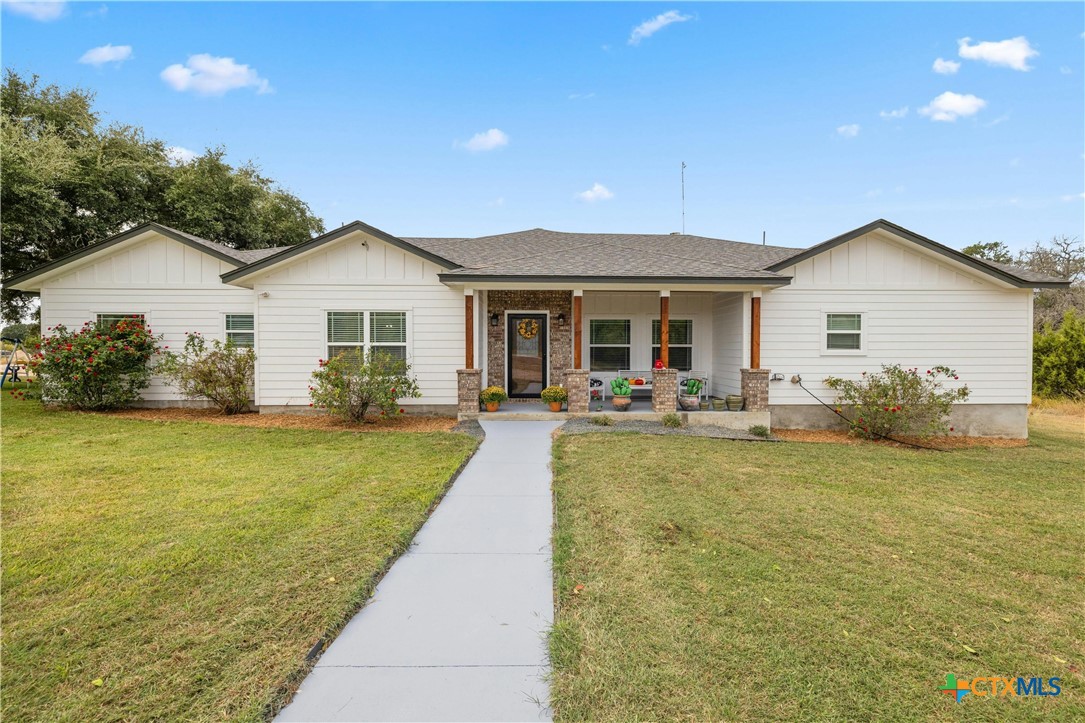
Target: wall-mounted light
(264, 294)
(494, 319)
(561, 319)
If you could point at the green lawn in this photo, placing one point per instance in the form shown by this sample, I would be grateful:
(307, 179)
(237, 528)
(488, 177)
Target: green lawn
(753, 581)
(168, 571)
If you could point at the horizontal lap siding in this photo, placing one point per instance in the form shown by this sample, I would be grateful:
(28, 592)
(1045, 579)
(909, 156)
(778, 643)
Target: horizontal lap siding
(349, 276)
(177, 286)
(641, 307)
(919, 312)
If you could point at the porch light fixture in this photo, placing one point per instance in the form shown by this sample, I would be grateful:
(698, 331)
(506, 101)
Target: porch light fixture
(494, 319)
(561, 319)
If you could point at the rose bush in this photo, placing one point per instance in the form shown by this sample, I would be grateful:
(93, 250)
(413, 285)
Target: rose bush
(219, 372)
(348, 386)
(101, 366)
(899, 401)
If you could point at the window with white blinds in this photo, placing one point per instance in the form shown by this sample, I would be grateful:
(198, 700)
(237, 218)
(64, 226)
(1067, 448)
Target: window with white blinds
(241, 330)
(843, 333)
(356, 332)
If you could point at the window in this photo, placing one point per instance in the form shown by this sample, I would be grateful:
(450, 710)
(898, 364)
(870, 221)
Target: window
(241, 330)
(114, 318)
(608, 344)
(679, 343)
(843, 333)
(349, 332)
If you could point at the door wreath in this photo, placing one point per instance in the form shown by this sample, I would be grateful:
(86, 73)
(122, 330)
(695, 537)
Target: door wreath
(528, 328)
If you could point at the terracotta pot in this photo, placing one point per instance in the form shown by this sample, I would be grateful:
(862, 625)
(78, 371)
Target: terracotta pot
(621, 403)
(492, 406)
(555, 406)
(688, 402)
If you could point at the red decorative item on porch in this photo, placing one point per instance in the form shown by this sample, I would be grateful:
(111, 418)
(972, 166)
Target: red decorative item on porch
(659, 364)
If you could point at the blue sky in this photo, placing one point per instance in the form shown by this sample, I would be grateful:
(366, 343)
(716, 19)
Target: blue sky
(480, 118)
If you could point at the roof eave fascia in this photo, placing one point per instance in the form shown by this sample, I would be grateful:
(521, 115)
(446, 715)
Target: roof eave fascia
(110, 242)
(246, 270)
(594, 279)
(922, 241)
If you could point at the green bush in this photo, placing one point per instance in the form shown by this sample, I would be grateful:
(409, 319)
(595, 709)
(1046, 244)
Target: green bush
(347, 385)
(672, 420)
(221, 373)
(1058, 358)
(493, 394)
(899, 401)
(603, 420)
(759, 430)
(101, 366)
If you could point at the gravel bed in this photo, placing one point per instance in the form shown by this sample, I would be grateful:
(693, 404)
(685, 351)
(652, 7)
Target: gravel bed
(471, 427)
(583, 425)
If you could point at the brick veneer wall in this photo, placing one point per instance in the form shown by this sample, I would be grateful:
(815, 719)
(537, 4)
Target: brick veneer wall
(664, 390)
(755, 389)
(559, 336)
(576, 382)
(468, 387)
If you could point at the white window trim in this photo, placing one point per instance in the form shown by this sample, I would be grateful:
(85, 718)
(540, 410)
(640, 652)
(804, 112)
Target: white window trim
(365, 345)
(631, 345)
(692, 345)
(226, 332)
(823, 332)
(146, 315)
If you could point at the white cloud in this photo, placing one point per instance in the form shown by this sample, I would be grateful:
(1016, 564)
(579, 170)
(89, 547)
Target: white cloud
(650, 27)
(43, 11)
(874, 193)
(950, 106)
(998, 121)
(581, 96)
(598, 192)
(498, 202)
(106, 54)
(180, 154)
(1065, 70)
(210, 75)
(849, 131)
(1013, 53)
(485, 141)
(894, 114)
(1073, 197)
(945, 67)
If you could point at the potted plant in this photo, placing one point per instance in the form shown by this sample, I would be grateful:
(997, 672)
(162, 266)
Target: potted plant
(690, 399)
(622, 394)
(555, 397)
(492, 397)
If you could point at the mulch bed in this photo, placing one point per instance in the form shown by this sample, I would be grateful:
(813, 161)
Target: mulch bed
(400, 423)
(840, 436)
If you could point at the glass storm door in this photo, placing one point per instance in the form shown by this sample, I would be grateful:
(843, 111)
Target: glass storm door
(526, 354)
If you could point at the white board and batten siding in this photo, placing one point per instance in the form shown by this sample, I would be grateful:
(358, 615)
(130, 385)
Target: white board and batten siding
(919, 309)
(175, 286)
(355, 273)
(731, 331)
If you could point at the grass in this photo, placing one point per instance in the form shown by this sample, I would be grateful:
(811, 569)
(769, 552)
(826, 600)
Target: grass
(712, 580)
(168, 571)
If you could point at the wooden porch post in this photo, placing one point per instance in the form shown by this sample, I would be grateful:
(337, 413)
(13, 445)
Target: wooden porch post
(665, 328)
(755, 330)
(578, 328)
(469, 325)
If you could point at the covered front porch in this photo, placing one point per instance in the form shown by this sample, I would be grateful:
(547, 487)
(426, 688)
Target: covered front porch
(526, 339)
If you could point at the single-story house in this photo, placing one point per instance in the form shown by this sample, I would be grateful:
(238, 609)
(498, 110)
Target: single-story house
(532, 308)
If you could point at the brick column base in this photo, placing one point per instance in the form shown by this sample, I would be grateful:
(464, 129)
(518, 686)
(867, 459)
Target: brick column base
(468, 387)
(576, 383)
(755, 389)
(664, 390)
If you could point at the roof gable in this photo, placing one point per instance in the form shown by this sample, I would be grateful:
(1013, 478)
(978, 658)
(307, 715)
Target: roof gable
(1011, 275)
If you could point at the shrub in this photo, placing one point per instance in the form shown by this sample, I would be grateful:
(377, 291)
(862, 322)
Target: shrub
(348, 385)
(493, 394)
(759, 430)
(620, 387)
(603, 420)
(1058, 359)
(555, 394)
(221, 373)
(672, 420)
(899, 401)
(101, 366)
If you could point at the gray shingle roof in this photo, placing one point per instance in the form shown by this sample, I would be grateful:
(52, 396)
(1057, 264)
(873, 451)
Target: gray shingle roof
(245, 256)
(540, 252)
(1026, 274)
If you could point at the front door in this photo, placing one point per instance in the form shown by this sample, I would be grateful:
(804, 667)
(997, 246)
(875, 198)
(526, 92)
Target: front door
(526, 354)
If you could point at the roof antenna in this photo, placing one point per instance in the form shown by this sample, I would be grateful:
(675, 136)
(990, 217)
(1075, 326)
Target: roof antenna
(762, 238)
(683, 198)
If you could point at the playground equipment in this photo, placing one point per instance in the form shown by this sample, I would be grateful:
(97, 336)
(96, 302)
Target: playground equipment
(13, 360)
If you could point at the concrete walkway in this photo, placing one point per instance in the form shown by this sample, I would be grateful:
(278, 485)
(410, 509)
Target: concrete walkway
(456, 629)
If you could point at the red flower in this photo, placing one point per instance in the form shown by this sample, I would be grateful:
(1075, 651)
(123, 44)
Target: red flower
(310, 404)
(951, 429)
(401, 411)
(954, 376)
